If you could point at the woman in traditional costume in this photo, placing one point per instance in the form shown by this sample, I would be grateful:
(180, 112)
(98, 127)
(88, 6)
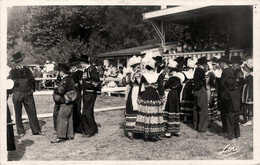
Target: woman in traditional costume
(133, 81)
(172, 108)
(187, 97)
(149, 120)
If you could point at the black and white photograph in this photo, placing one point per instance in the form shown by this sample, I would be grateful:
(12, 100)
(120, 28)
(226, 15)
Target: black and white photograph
(129, 82)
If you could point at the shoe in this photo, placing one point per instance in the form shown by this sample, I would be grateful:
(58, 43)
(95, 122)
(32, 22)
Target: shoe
(168, 135)
(130, 135)
(153, 139)
(58, 140)
(88, 135)
(39, 133)
(177, 134)
(201, 131)
(247, 123)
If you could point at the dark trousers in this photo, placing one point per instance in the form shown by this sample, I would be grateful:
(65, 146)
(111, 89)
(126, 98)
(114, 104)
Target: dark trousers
(65, 122)
(223, 119)
(88, 121)
(76, 115)
(26, 99)
(200, 114)
(55, 115)
(230, 121)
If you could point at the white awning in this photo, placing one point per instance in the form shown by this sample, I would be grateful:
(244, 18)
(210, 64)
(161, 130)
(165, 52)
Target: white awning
(184, 14)
(169, 12)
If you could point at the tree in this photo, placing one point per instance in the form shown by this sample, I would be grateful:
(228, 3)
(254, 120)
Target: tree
(55, 32)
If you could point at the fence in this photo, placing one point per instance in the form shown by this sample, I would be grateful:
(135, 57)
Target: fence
(39, 81)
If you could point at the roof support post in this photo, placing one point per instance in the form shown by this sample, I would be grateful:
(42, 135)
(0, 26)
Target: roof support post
(160, 33)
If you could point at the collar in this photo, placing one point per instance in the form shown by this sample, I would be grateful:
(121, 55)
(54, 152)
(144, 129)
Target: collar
(18, 67)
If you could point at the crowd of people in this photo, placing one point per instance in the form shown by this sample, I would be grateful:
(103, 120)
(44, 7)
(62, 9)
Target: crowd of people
(190, 91)
(159, 97)
(204, 44)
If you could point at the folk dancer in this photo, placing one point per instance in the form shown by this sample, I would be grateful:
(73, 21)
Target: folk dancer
(247, 93)
(230, 100)
(133, 81)
(187, 97)
(76, 74)
(211, 85)
(24, 86)
(172, 108)
(63, 104)
(91, 87)
(200, 113)
(160, 66)
(239, 75)
(149, 120)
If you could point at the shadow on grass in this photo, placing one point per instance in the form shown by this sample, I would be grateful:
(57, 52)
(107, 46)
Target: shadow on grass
(21, 145)
(214, 127)
(20, 149)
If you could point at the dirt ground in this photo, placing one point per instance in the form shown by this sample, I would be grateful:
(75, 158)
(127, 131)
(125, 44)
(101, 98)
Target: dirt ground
(111, 144)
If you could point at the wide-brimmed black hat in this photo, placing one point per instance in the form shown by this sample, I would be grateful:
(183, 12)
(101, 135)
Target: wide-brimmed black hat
(62, 67)
(202, 60)
(236, 60)
(158, 59)
(72, 61)
(17, 57)
(214, 59)
(84, 57)
(224, 59)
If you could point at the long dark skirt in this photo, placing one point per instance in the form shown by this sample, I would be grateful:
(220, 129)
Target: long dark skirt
(172, 112)
(131, 111)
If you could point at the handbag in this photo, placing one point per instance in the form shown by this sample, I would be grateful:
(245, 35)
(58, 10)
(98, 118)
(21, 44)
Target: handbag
(71, 96)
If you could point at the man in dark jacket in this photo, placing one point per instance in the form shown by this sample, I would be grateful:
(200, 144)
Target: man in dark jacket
(239, 75)
(230, 100)
(24, 86)
(91, 87)
(200, 114)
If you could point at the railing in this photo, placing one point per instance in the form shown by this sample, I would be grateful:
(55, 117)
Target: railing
(208, 54)
(39, 80)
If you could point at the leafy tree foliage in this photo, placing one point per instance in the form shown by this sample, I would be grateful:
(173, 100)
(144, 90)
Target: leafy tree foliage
(56, 32)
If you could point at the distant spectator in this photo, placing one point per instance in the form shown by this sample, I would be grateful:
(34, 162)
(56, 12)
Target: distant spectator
(106, 72)
(49, 65)
(37, 72)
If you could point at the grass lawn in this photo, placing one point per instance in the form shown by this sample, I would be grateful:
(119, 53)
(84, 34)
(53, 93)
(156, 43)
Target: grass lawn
(111, 144)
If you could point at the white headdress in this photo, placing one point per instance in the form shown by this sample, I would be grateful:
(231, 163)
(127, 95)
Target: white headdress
(134, 60)
(172, 63)
(249, 63)
(150, 62)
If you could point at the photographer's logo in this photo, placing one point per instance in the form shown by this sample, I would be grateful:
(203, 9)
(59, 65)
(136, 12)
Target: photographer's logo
(229, 150)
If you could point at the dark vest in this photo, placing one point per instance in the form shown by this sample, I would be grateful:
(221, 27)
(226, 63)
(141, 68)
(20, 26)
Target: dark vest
(91, 84)
(23, 79)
